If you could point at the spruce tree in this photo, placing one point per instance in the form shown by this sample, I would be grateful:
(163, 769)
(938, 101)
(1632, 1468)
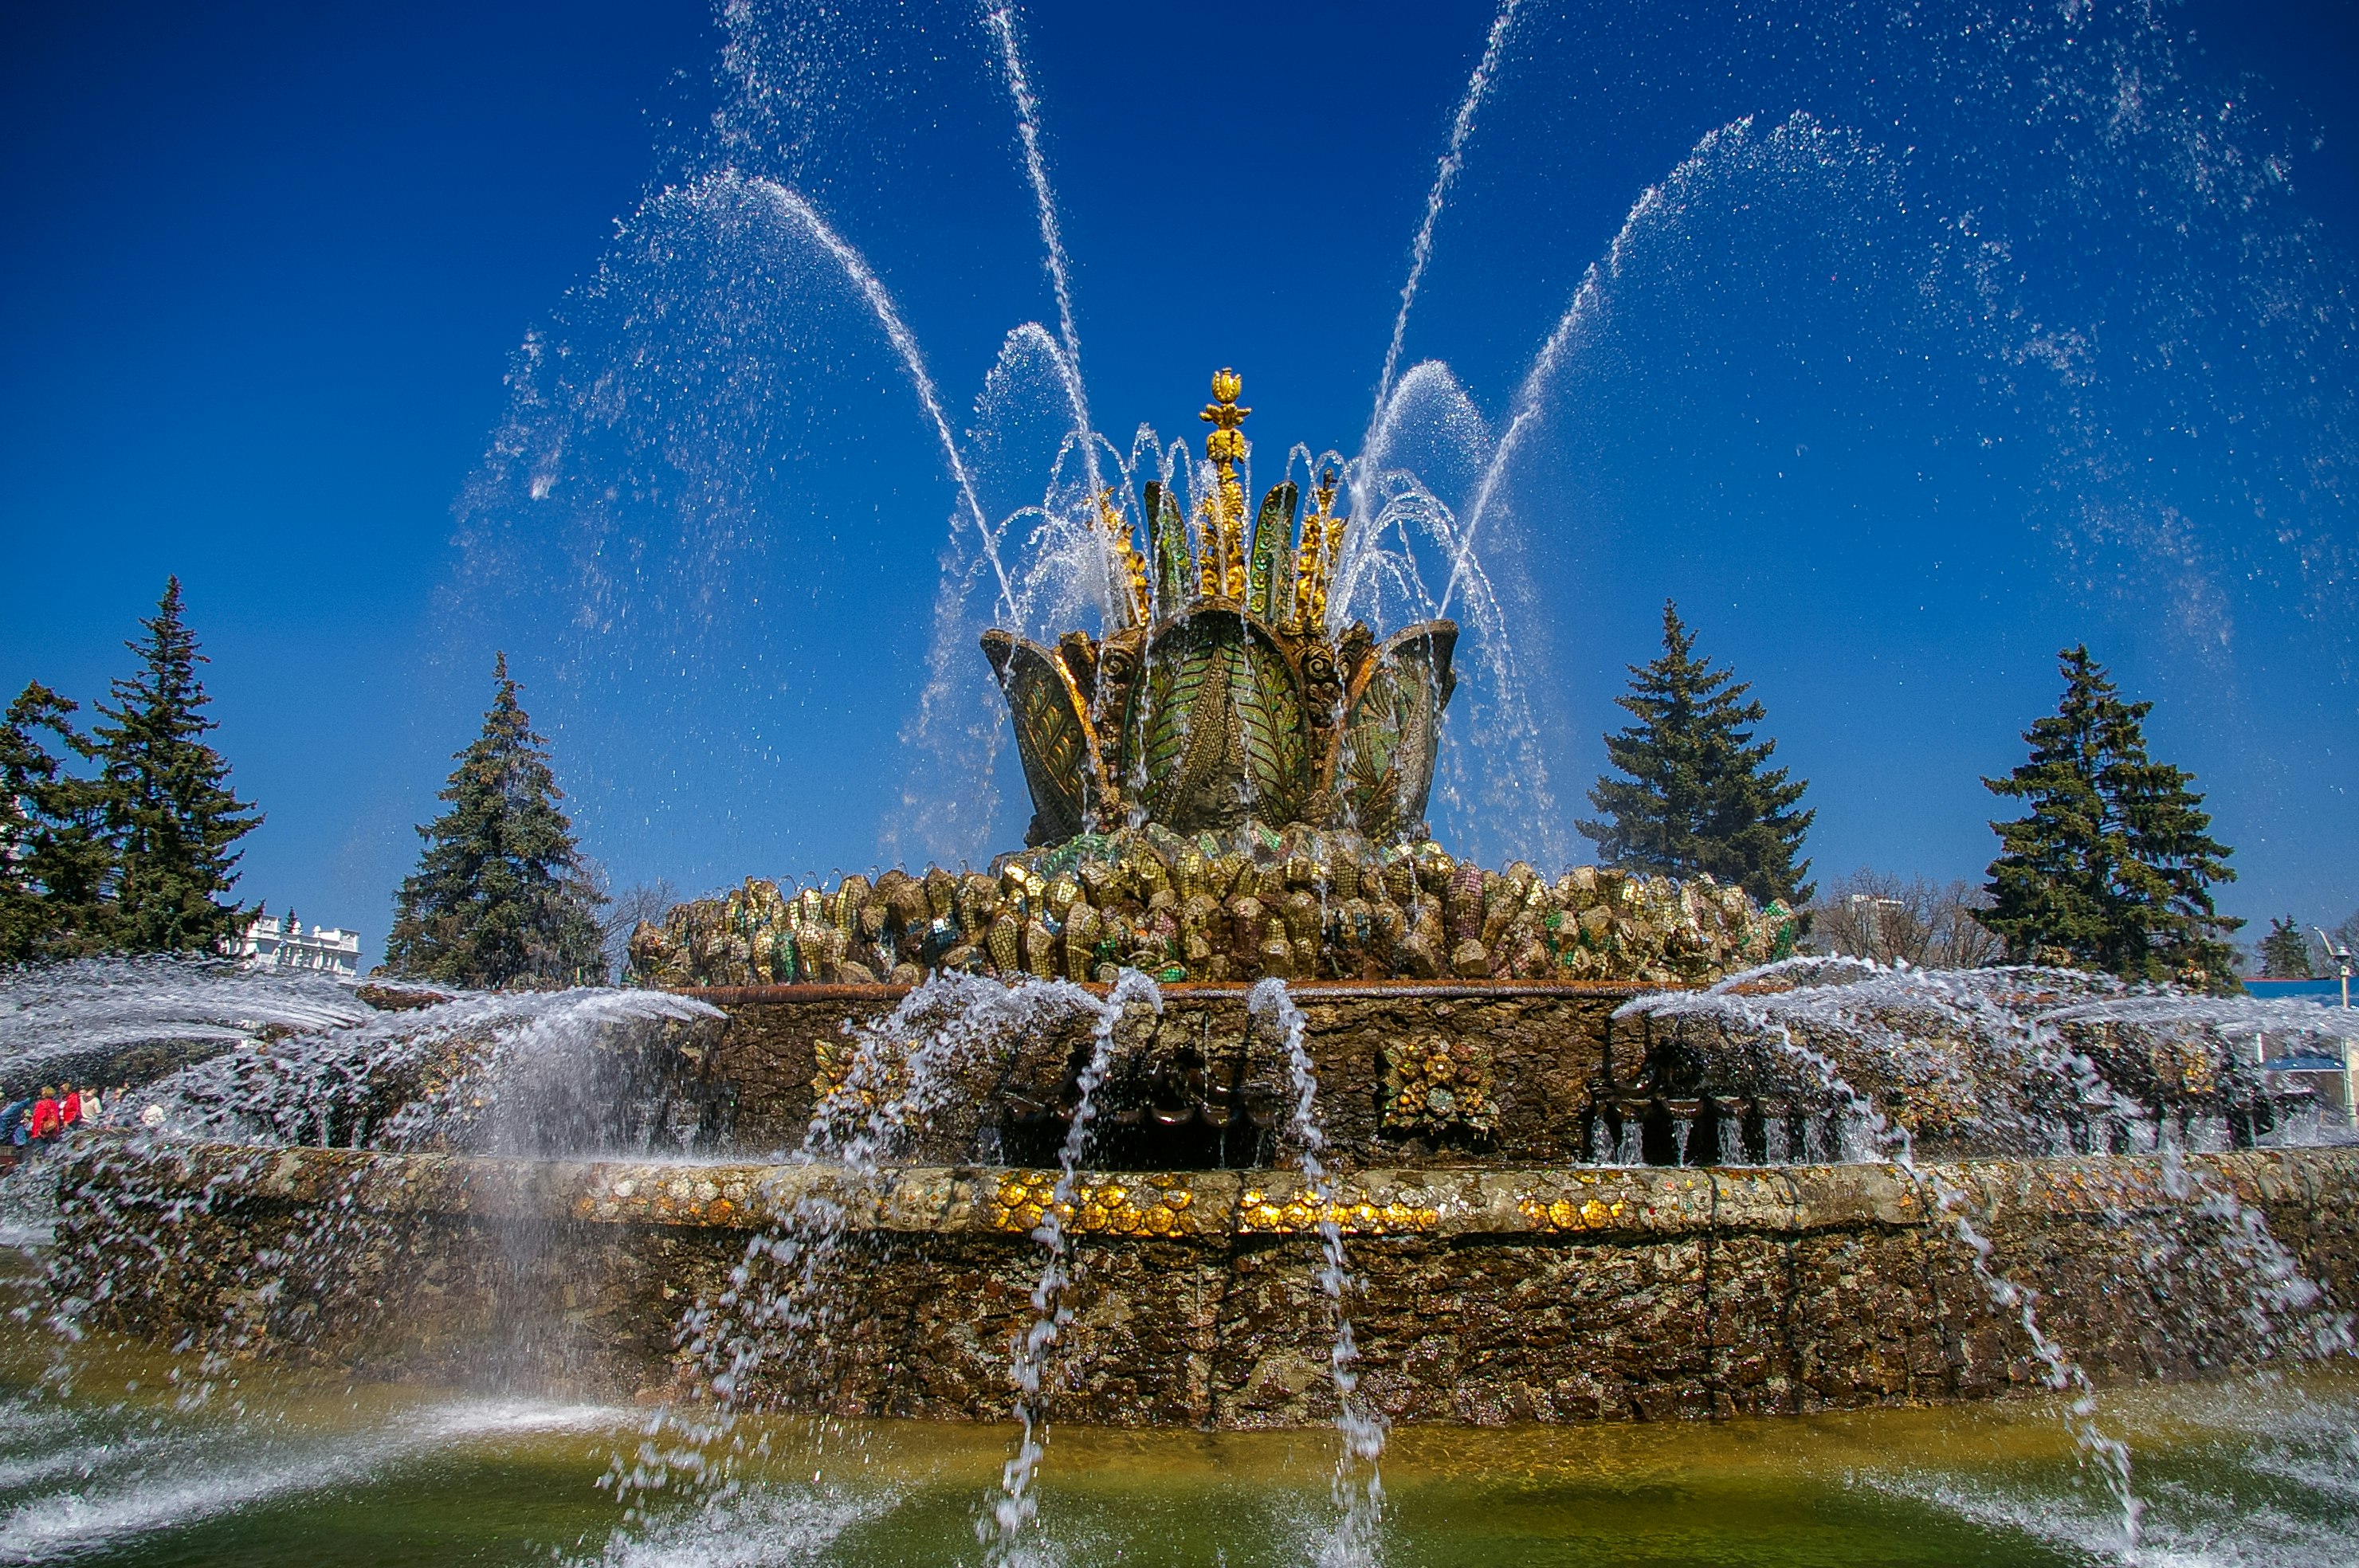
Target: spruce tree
(1700, 797)
(169, 809)
(2285, 951)
(56, 862)
(501, 896)
(2111, 868)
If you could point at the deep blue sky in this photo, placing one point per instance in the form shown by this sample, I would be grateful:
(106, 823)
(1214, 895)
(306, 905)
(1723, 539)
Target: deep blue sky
(264, 268)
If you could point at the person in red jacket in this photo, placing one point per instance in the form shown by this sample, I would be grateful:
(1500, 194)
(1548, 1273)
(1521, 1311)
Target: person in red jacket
(69, 1106)
(46, 1113)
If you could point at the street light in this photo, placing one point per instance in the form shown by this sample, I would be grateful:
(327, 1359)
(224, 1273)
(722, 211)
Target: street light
(2341, 957)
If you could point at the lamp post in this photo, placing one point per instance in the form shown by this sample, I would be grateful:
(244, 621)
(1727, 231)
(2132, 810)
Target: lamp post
(2341, 957)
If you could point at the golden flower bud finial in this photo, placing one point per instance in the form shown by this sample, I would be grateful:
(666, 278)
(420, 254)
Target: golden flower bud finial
(1224, 520)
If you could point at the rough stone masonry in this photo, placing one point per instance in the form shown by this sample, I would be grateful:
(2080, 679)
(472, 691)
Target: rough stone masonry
(1537, 1293)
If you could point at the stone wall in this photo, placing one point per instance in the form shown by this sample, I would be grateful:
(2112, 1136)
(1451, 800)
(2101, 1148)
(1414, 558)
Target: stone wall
(1545, 1293)
(1535, 1051)
(1497, 1073)
(1301, 903)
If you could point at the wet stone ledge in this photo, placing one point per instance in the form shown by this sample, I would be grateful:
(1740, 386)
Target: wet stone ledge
(1544, 1292)
(1545, 1051)
(1209, 1206)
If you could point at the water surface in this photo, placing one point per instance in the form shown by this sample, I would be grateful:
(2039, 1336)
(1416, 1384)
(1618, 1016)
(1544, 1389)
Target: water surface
(116, 1456)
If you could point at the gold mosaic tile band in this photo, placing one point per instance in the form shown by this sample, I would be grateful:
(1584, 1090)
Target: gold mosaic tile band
(1147, 1205)
(1349, 1212)
(1563, 1214)
(1207, 1206)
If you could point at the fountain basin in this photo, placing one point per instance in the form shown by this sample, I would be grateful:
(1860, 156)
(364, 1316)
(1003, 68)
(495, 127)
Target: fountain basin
(1200, 1084)
(1414, 1073)
(1534, 1293)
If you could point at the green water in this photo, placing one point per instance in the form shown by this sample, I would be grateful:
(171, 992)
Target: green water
(121, 1455)
(274, 1468)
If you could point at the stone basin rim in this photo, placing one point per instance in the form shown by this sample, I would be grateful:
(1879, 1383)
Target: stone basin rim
(1219, 1207)
(1303, 992)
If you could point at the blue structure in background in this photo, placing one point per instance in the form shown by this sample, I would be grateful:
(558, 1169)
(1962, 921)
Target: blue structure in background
(2333, 1077)
(2326, 993)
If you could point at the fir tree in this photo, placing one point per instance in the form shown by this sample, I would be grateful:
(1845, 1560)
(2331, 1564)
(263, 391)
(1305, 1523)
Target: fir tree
(2285, 951)
(1701, 796)
(169, 809)
(501, 895)
(2113, 867)
(56, 862)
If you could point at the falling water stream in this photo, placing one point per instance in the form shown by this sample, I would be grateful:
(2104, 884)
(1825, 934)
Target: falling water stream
(1000, 21)
(1445, 173)
(200, 1454)
(905, 346)
(1358, 1488)
(1016, 1506)
(784, 1299)
(1849, 998)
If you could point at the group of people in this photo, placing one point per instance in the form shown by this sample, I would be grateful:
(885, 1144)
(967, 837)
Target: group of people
(37, 1119)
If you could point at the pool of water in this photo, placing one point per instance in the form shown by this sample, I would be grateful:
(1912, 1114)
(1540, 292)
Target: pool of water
(110, 1454)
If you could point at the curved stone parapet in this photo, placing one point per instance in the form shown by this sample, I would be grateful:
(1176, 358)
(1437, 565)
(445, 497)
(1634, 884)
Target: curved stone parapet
(1541, 1292)
(1303, 904)
(1414, 1074)
(1213, 1206)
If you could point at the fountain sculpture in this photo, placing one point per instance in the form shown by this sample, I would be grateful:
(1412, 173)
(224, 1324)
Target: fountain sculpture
(1226, 787)
(1223, 698)
(1232, 1100)
(1229, 1008)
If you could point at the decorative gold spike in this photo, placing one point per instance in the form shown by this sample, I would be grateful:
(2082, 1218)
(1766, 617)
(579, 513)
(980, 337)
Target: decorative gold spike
(1323, 545)
(1224, 519)
(1133, 565)
(1309, 610)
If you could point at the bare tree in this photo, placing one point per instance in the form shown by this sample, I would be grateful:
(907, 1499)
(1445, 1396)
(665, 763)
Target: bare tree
(1961, 941)
(2345, 936)
(1876, 914)
(625, 910)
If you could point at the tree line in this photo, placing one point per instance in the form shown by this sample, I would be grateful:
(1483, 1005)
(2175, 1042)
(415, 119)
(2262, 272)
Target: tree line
(123, 838)
(120, 838)
(2110, 867)
(2291, 953)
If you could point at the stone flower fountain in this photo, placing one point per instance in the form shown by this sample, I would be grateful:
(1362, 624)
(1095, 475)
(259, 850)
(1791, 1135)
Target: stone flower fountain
(1227, 786)
(1093, 1130)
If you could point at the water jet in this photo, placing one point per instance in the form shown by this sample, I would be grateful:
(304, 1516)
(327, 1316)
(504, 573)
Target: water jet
(1232, 1101)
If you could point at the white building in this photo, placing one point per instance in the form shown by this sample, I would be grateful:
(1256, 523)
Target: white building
(270, 943)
